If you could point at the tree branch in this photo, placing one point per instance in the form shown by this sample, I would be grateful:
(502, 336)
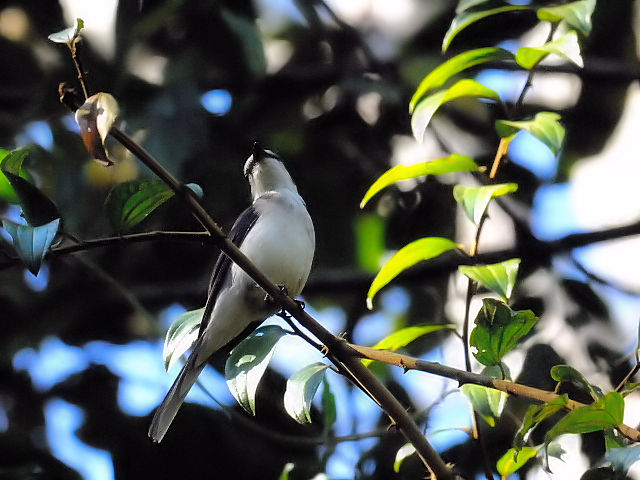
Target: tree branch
(462, 376)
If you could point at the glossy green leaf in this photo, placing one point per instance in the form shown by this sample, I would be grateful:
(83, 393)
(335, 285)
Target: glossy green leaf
(605, 413)
(32, 243)
(623, 458)
(575, 14)
(247, 35)
(566, 46)
(129, 203)
(613, 439)
(475, 200)
(565, 373)
(11, 161)
(498, 277)
(181, 335)
(403, 453)
(405, 336)
(513, 460)
(248, 362)
(428, 106)
(487, 402)
(408, 256)
(328, 404)
(455, 65)
(466, 18)
(467, 4)
(545, 126)
(286, 470)
(37, 208)
(536, 414)
(301, 388)
(67, 35)
(370, 241)
(498, 330)
(440, 166)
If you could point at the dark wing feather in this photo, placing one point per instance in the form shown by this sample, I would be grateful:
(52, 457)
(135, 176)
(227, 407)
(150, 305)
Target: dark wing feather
(241, 227)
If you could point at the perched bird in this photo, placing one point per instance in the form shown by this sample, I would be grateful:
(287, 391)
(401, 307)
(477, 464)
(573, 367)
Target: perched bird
(277, 235)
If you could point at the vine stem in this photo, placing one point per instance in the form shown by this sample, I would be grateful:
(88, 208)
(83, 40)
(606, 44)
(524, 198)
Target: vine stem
(338, 349)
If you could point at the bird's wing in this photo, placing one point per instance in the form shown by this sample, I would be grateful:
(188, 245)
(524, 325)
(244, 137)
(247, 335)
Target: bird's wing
(241, 227)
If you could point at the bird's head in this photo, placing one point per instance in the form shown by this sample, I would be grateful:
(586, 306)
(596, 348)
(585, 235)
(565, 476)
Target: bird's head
(265, 172)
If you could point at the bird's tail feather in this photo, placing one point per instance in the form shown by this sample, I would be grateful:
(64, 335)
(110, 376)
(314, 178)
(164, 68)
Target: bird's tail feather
(167, 411)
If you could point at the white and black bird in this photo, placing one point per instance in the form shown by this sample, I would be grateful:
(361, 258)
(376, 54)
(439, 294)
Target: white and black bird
(277, 235)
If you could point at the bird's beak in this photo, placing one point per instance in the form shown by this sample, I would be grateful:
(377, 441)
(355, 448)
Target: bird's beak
(258, 152)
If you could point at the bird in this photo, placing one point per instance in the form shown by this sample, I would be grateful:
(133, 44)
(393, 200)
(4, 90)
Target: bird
(276, 233)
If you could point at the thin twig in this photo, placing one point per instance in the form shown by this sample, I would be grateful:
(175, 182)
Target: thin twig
(82, 78)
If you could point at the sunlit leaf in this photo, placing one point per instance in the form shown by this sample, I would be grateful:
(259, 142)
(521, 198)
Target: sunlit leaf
(555, 450)
(403, 452)
(498, 330)
(248, 362)
(536, 414)
(457, 64)
(466, 18)
(181, 336)
(301, 388)
(440, 166)
(131, 202)
(575, 14)
(605, 413)
(288, 467)
(407, 256)
(405, 336)
(545, 126)
(566, 46)
(475, 200)
(488, 402)
(32, 243)
(247, 35)
(328, 404)
(510, 463)
(623, 458)
(68, 35)
(428, 106)
(467, 4)
(498, 277)
(565, 373)
(11, 161)
(95, 118)
(37, 208)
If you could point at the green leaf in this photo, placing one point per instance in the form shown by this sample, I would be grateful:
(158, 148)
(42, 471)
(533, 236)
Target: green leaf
(536, 414)
(131, 202)
(328, 404)
(606, 413)
(37, 208)
(288, 467)
(403, 452)
(429, 105)
(475, 200)
(565, 373)
(12, 162)
(301, 388)
(181, 336)
(466, 18)
(566, 46)
(248, 362)
(455, 65)
(452, 163)
(574, 14)
(545, 126)
(68, 35)
(370, 244)
(405, 336)
(498, 277)
(32, 243)
(513, 460)
(408, 256)
(498, 330)
(488, 402)
(249, 38)
(623, 458)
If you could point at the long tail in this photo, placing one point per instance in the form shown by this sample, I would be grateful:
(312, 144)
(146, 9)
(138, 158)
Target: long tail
(167, 411)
